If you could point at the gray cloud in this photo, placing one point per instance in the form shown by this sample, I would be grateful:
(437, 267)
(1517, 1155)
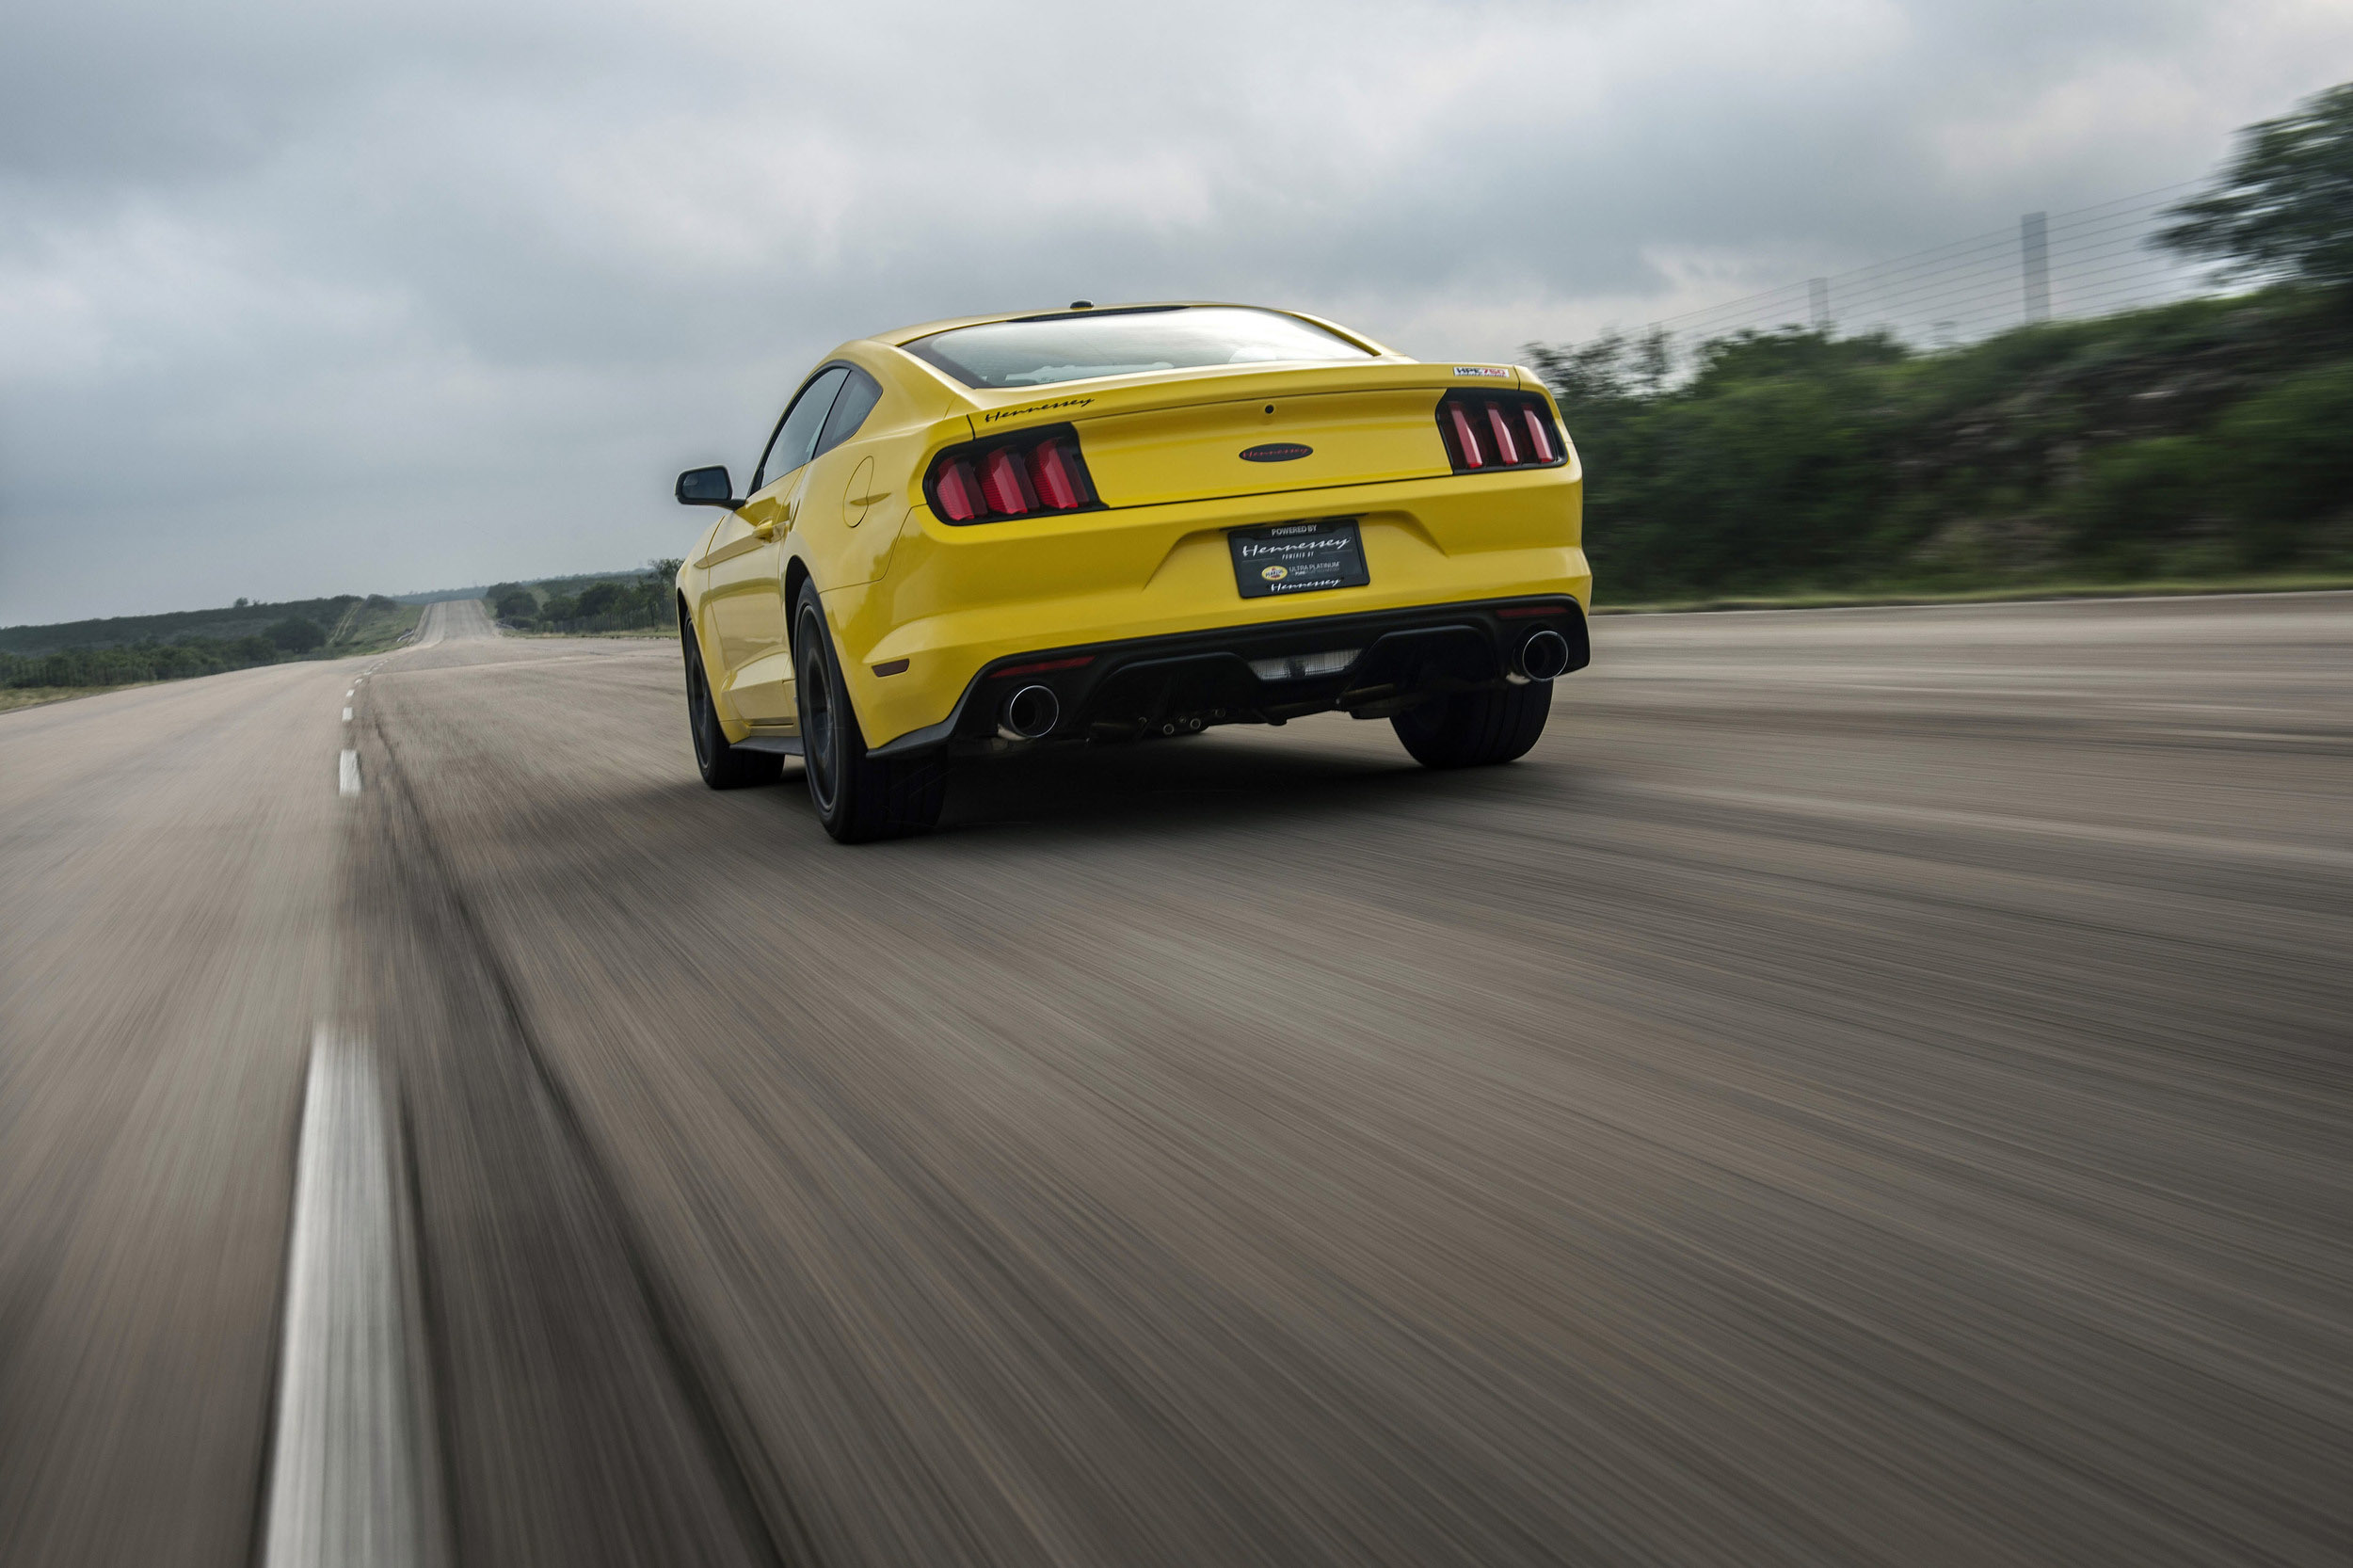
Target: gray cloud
(300, 300)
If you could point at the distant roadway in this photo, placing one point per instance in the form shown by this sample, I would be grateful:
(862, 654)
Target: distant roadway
(1872, 1086)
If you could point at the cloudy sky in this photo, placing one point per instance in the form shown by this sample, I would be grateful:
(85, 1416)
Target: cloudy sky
(311, 297)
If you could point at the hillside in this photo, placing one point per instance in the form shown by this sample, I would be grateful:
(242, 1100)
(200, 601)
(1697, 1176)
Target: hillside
(191, 643)
(2203, 440)
(176, 626)
(551, 585)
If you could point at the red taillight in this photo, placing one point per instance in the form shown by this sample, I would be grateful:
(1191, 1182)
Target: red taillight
(1017, 477)
(1507, 450)
(1465, 439)
(1497, 430)
(1049, 475)
(1539, 439)
(958, 491)
(1001, 486)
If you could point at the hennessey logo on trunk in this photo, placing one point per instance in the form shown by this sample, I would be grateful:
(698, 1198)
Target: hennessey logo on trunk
(1036, 408)
(1275, 452)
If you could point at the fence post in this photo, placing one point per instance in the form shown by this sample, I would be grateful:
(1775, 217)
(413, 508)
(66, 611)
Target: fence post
(2034, 246)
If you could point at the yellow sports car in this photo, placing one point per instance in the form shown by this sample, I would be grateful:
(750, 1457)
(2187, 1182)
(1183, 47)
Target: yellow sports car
(1116, 524)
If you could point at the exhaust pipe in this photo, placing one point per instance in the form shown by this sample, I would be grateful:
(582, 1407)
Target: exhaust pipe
(1029, 713)
(1544, 655)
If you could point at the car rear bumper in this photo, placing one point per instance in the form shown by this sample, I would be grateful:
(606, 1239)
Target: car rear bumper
(1128, 688)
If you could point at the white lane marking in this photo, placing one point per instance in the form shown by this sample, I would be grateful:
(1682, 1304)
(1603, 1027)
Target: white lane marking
(354, 686)
(347, 783)
(344, 1482)
(346, 715)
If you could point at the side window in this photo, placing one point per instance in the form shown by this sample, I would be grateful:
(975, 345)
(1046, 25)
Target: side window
(850, 410)
(796, 433)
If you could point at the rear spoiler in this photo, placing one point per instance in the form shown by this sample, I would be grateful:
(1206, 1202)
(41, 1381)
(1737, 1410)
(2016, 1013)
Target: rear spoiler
(1076, 401)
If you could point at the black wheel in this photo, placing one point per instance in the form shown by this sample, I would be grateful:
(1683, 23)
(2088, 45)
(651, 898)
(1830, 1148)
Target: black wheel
(723, 767)
(1470, 730)
(857, 797)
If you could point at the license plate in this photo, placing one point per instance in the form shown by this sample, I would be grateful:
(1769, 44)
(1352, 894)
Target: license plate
(1298, 558)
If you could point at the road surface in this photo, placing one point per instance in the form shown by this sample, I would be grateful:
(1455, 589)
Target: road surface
(1871, 1087)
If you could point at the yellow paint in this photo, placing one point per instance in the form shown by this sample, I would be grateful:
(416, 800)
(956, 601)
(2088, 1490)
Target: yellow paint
(1162, 447)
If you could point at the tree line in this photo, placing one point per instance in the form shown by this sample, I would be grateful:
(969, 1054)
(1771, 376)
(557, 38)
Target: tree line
(151, 659)
(641, 602)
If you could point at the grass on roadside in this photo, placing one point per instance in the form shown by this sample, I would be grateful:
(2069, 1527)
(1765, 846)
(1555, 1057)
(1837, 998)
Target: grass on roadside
(640, 633)
(372, 628)
(12, 697)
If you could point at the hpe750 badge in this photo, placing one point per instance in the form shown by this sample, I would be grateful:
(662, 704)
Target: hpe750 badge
(1298, 558)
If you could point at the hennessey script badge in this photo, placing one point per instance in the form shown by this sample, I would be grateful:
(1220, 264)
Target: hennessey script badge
(1275, 452)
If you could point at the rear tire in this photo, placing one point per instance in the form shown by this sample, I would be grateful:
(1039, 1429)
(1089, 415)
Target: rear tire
(1471, 729)
(857, 797)
(722, 766)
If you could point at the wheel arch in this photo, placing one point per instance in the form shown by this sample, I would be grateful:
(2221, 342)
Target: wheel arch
(795, 573)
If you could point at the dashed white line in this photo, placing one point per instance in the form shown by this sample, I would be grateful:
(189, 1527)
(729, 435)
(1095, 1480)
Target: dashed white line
(347, 782)
(346, 715)
(344, 1472)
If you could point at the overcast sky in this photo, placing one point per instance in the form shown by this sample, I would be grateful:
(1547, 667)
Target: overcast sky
(310, 297)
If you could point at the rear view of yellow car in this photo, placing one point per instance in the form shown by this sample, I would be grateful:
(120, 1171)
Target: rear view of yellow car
(1119, 524)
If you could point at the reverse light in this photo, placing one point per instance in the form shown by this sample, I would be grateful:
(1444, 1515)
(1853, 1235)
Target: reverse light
(1011, 476)
(1303, 666)
(1499, 430)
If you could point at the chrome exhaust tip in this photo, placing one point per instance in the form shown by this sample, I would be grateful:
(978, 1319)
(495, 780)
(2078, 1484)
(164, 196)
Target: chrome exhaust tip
(1544, 655)
(1029, 713)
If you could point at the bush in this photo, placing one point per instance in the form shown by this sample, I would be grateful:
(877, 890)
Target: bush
(2289, 452)
(296, 635)
(517, 605)
(2138, 497)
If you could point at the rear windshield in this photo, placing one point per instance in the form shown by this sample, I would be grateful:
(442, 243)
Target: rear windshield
(1041, 351)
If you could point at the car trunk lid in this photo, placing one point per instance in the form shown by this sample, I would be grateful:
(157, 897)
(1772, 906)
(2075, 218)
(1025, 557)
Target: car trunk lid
(1206, 435)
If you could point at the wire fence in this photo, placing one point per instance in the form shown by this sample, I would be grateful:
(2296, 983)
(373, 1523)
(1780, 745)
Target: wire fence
(2090, 262)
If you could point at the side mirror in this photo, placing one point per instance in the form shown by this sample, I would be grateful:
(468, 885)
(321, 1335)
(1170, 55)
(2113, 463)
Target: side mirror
(707, 487)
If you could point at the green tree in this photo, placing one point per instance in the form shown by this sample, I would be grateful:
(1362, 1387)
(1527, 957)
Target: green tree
(604, 599)
(296, 636)
(2284, 206)
(517, 604)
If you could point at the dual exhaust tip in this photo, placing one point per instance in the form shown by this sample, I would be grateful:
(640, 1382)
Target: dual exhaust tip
(1543, 656)
(1029, 714)
(1032, 713)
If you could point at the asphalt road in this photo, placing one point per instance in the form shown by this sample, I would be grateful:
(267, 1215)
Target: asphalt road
(1871, 1087)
